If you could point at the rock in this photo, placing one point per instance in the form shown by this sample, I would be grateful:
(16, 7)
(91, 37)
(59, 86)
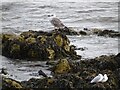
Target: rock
(37, 45)
(77, 75)
(40, 72)
(38, 83)
(62, 67)
(106, 62)
(117, 59)
(67, 31)
(83, 33)
(4, 71)
(10, 84)
(109, 33)
(51, 62)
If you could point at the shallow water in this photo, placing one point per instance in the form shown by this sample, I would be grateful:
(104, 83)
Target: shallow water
(95, 46)
(22, 16)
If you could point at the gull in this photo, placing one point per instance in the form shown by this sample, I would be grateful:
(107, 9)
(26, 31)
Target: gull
(56, 22)
(97, 79)
(105, 78)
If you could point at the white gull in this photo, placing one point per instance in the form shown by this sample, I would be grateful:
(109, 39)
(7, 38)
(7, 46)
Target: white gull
(105, 78)
(97, 79)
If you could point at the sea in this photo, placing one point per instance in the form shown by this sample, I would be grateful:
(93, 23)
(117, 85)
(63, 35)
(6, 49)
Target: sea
(23, 15)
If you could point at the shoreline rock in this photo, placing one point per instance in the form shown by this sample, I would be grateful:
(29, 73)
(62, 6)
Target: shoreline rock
(80, 74)
(100, 32)
(37, 45)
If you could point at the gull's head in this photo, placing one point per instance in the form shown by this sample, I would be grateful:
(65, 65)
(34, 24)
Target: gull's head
(51, 16)
(105, 75)
(100, 75)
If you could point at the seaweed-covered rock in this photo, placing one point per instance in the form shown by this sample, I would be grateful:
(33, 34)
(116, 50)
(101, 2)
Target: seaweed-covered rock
(109, 33)
(62, 67)
(106, 62)
(8, 84)
(77, 75)
(67, 31)
(117, 59)
(37, 45)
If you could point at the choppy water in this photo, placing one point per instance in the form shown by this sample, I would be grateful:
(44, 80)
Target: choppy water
(33, 15)
(22, 16)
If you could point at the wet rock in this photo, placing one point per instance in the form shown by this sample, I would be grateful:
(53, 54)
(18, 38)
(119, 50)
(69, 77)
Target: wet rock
(4, 71)
(62, 67)
(37, 45)
(77, 75)
(51, 62)
(10, 84)
(67, 31)
(109, 33)
(107, 62)
(41, 83)
(117, 59)
(40, 72)
(83, 33)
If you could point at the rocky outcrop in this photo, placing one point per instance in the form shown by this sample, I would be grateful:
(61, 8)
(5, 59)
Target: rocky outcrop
(100, 32)
(109, 33)
(11, 84)
(37, 45)
(62, 67)
(67, 31)
(77, 75)
(105, 33)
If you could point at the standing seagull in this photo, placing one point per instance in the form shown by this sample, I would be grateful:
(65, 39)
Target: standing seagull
(97, 79)
(105, 78)
(56, 22)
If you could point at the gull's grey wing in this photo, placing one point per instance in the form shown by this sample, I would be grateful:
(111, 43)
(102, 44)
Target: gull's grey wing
(57, 23)
(96, 79)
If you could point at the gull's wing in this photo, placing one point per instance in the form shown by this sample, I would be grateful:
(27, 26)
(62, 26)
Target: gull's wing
(57, 23)
(96, 79)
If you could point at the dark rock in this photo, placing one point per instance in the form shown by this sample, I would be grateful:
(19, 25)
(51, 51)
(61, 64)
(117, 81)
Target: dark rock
(66, 31)
(109, 33)
(4, 71)
(37, 45)
(117, 59)
(86, 29)
(51, 62)
(77, 75)
(40, 72)
(82, 33)
(10, 84)
(62, 66)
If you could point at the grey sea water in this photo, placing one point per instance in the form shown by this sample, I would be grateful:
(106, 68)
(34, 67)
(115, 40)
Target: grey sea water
(33, 15)
(23, 16)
